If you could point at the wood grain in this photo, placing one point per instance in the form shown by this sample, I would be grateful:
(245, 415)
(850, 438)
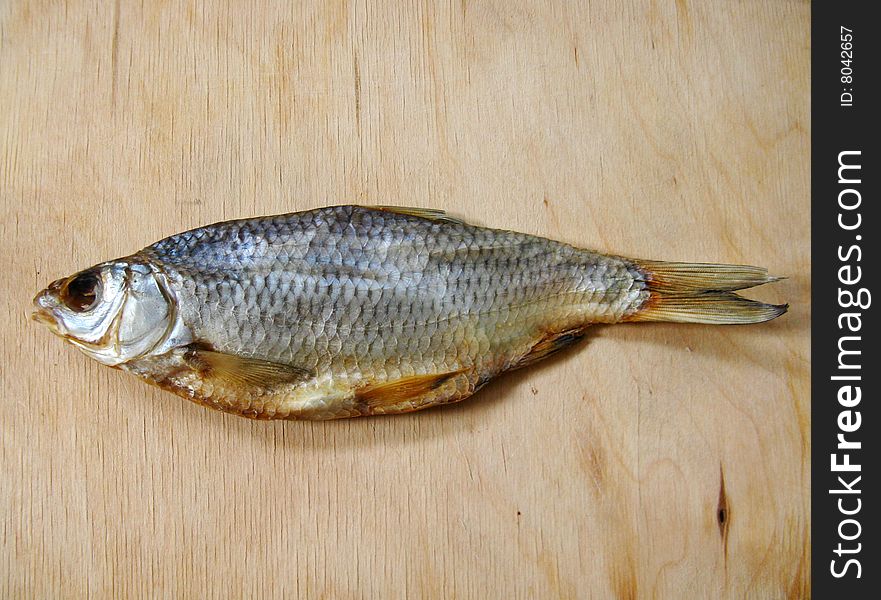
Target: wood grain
(655, 461)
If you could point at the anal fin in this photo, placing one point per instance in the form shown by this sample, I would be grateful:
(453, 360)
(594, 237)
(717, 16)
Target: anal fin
(551, 344)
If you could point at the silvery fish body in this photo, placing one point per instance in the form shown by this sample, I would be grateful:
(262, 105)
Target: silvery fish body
(349, 311)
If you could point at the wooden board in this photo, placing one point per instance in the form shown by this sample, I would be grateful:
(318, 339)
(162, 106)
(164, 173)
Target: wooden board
(656, 461)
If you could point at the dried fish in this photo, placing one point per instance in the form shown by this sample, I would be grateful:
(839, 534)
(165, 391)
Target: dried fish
(348, 311)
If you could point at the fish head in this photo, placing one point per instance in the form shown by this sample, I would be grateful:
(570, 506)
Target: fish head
(114, 312)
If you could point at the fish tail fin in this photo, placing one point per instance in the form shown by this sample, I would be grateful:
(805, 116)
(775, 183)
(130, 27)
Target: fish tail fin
(704, 293)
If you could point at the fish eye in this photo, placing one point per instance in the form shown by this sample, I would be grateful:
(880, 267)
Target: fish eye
(81, 292)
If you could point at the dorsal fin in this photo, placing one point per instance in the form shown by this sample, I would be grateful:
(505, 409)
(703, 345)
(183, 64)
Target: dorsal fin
(432, 214)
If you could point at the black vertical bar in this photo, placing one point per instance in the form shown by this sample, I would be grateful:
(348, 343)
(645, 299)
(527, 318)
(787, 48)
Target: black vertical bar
(844, 272)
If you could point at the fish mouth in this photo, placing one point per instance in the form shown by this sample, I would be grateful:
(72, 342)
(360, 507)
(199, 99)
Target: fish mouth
(42, 312)
(40, 316)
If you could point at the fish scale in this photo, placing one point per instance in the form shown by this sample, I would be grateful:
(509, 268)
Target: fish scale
(428, 298)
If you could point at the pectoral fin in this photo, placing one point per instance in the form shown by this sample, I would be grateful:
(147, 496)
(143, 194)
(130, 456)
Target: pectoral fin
(241, 371)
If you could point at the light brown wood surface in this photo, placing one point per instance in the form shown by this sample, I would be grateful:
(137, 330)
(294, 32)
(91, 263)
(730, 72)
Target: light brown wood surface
(664, 130)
